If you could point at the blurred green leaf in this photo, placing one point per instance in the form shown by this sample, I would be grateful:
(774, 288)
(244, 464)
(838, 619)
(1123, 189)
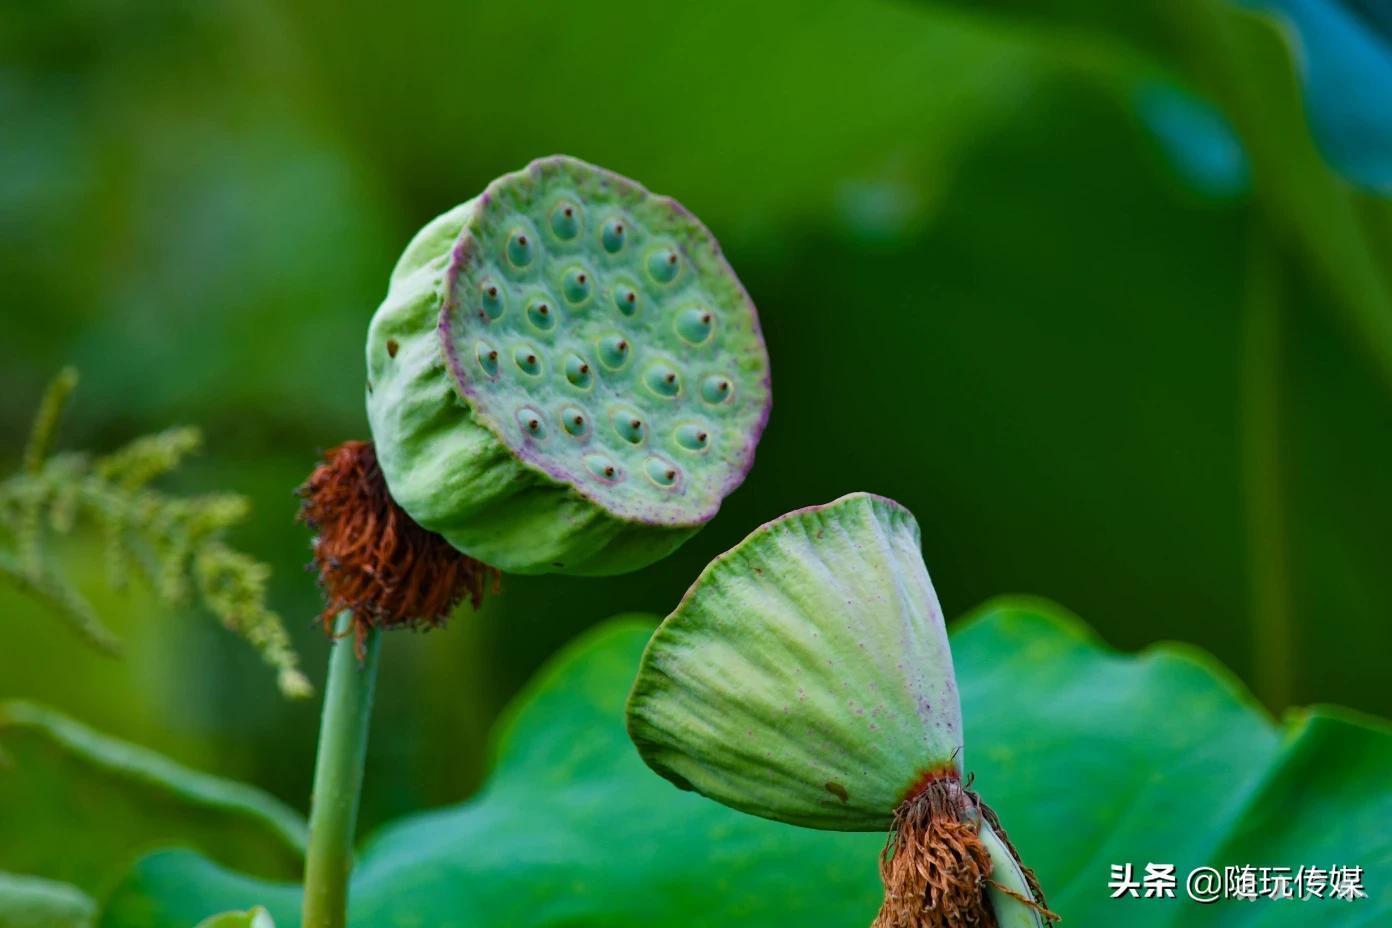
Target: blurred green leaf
(1253, 66)
(1197, 138)
(1340, 50)
(1250, 63)
(80, 807)
(744, 125)
(34, 902)
(1344, 50)
(239, 148)
(1090, 757)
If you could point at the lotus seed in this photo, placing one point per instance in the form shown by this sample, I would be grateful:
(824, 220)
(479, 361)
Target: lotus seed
(519, 249)
(694, 325)
(716, 389)
(601, 466)
(663, 266)
(487, 358)
(662, 380)
(540, 315)
(527, 360)
(564, 221)
(692, 437)
(492, 301)
(626, 300)
(613, 236)
(577, 285)
(613, 351)
(577, 371)
(530, 420)
(661, 472)
(573, 421)
(628, 425)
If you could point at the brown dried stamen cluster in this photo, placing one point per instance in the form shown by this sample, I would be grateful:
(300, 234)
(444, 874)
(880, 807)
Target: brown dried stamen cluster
(935, 867)
(373, 558)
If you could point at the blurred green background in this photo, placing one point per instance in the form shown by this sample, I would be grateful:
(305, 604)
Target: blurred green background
(1068, 279)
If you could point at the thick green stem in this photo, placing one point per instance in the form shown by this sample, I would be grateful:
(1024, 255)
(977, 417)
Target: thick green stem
(1008, 886)
(338, 773)
(1269, 596)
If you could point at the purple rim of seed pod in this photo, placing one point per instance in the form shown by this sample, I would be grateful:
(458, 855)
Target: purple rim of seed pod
(463, 251)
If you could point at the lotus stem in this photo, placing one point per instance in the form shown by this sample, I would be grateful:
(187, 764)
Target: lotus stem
(338, 774)
(1274, 637)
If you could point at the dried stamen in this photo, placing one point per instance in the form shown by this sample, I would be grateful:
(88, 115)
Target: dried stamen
(373, 558)
(935, 867)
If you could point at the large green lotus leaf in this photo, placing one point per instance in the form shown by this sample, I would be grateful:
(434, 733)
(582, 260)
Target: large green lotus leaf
(572, 830)
(1327, 802)
(1093, 759)
(34, 902)
(806, 675)
(1090, 757)
(80, 807)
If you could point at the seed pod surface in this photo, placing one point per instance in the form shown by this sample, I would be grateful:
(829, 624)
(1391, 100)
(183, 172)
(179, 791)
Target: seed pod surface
(806, 676)
(566, 375)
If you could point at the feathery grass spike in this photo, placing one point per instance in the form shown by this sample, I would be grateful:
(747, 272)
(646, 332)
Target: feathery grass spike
(173, 543)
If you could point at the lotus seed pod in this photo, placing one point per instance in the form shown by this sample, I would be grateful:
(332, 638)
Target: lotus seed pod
(566, 375)
(806, 677)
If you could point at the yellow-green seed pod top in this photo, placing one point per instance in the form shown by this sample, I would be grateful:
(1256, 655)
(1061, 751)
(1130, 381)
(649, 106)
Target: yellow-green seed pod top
(566, 375)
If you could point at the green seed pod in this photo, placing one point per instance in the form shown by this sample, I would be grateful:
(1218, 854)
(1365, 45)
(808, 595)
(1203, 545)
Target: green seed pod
(566, 375)
(806, 677)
